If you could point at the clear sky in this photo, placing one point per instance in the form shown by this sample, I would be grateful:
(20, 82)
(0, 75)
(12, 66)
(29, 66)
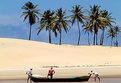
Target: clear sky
(12, 25)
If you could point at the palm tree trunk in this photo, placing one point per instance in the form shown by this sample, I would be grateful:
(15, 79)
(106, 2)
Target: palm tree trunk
(60, 38)
(102, 37)
(116, 40)
(94, 39)
(49, 36)
(79, 34)
(111, 41)
(30, 32)
(88, 39)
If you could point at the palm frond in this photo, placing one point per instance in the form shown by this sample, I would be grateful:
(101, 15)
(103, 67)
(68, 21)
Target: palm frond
(40, 28)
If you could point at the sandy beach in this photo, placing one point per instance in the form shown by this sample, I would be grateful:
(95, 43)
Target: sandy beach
(107, 72)
(104, 80)
(17, 56)
(24, 81)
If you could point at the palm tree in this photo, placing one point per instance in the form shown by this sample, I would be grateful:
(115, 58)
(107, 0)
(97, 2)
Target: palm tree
(61, 22)
(47, 21)
(111, 34)
(31, 13)
(94, 21)
(105, 21)
(77, 15)
(117, 30)
(87, 30)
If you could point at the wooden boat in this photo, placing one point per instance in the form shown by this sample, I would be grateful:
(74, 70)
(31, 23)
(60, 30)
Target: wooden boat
(74, 79)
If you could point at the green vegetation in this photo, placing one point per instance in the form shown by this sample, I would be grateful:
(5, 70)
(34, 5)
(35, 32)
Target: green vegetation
(95, 22)
(47, 21)
(30, 12)
(77, 14)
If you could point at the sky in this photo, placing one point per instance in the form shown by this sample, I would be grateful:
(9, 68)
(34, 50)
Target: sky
(12, 25)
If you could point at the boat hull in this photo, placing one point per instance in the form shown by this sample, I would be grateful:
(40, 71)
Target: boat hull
(75, 79)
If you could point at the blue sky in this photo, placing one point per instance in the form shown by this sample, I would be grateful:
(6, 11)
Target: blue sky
(12, 25)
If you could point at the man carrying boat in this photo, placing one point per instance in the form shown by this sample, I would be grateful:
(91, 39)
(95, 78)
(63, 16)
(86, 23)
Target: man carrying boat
(96, 75)
(51, 73)
(29, 73)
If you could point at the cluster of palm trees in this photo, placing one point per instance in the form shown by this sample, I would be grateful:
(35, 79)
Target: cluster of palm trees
(56, 21)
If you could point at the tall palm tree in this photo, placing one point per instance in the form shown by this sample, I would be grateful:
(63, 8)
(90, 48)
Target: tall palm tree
(117, 29)
(94, 21)
(61, 22)
(47, 21)
(111, 34)
(77, 15)
(105, 21)
(31, 13)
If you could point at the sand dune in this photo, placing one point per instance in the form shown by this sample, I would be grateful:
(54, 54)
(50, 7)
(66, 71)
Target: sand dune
(22, 54)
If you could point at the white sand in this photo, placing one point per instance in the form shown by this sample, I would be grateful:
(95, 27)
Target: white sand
(16, 56)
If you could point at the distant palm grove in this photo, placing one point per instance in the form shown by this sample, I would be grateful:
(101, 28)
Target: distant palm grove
(93, 22)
